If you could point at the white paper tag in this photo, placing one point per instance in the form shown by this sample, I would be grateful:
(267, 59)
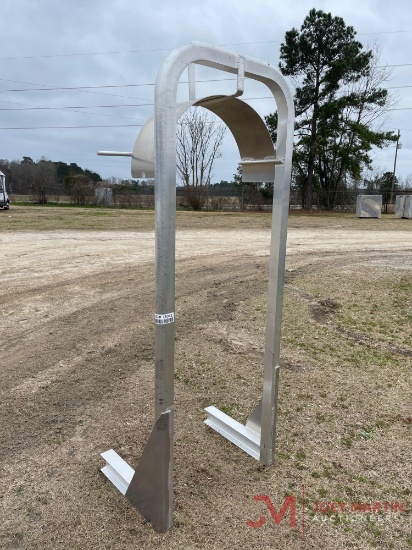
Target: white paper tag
(165, 318)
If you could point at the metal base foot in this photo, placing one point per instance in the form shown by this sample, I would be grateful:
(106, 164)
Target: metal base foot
(148, 488)
(237, 433)
(117, 470)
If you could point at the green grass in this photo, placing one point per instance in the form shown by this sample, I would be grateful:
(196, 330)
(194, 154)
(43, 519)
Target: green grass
(55, 216)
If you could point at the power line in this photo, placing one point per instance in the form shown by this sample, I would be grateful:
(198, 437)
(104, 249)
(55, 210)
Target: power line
(121, 51)
(87, 88)
(84, 88)
(30, 106)
(394, 65)
(68, 127)
(397, 87)
(48, 56)
(381, 32)
(75, 89)
(133, 125)
(150, 50)
(75, 107)
(271, 97)
(39, 107)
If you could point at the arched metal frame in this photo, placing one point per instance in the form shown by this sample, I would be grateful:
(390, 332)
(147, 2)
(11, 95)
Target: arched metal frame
(251, 135)
(150, 487)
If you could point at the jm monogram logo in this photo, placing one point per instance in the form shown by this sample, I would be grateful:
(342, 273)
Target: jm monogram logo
(288, 503)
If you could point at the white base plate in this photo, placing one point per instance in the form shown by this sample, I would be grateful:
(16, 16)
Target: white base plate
(234, 431)
(117, 470)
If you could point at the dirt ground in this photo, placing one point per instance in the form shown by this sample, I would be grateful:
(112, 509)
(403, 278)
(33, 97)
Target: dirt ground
(76, 378)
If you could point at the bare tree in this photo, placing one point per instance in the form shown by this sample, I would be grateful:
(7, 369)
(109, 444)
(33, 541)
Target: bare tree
(406, 182)
(199, 139)
(44, 180)
(80, 188)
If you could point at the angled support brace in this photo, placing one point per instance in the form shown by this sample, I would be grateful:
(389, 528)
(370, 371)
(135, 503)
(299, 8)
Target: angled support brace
(149, 488)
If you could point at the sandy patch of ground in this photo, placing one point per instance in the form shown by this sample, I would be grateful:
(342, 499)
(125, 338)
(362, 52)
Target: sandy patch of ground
(76, 378)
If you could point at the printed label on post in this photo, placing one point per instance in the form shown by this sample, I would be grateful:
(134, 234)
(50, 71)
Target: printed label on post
(164, 319)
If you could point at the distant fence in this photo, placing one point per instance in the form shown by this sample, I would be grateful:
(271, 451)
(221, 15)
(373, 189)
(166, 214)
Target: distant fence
(217, 199)
(345, 201)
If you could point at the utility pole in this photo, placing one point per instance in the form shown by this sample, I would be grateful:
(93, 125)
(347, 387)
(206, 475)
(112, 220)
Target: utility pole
(398, 146)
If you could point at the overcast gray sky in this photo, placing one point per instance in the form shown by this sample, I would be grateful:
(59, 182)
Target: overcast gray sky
(51, 48)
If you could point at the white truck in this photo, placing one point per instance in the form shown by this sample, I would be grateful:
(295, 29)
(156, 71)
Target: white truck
(4, 198)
